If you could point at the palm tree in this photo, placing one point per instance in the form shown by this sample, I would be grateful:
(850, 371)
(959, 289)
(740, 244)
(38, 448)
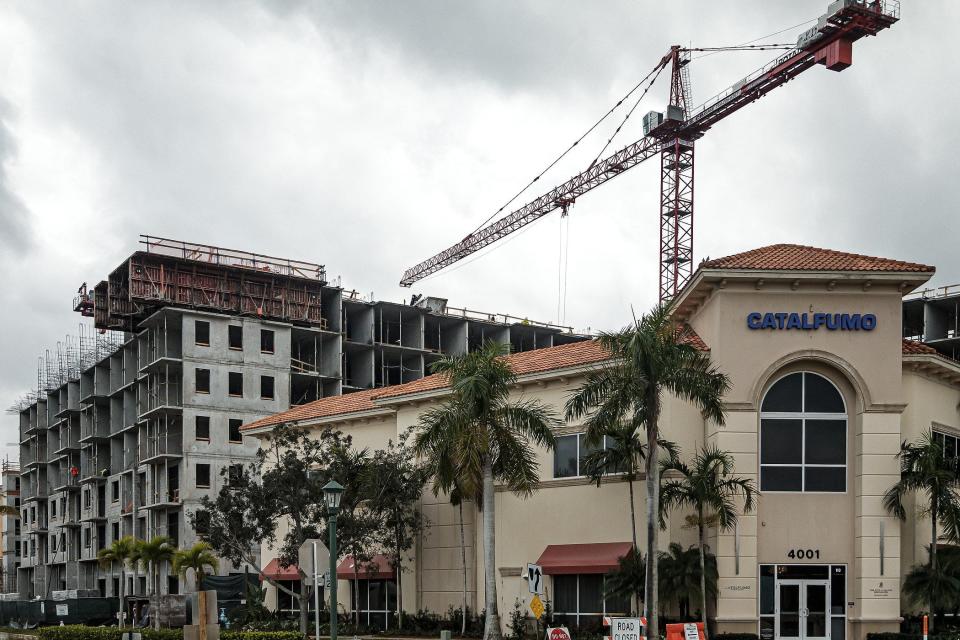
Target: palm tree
(119, 553)
(152, 553)
(619, 449)
(940, 589)
(652, 356)
(925, 470)
(683, 576)
(489, 438)
(198, 557)
(710, 489)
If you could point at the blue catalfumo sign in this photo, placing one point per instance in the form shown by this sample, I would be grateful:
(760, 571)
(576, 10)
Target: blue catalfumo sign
(785, 321)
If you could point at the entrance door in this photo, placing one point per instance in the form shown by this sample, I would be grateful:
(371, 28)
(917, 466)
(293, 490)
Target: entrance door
(802, 609)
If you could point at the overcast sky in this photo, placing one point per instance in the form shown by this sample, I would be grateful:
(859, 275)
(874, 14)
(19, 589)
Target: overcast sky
(367, 136)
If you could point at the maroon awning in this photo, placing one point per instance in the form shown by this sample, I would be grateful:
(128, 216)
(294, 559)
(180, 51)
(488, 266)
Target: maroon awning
(596, 557)
(378, 568)
(274, 571)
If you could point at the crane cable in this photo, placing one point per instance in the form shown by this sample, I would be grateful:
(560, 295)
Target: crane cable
(563, 263)
(596, 124)
(769, 35)
(661, 67)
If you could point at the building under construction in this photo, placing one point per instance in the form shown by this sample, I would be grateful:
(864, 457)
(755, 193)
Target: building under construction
(131, 426)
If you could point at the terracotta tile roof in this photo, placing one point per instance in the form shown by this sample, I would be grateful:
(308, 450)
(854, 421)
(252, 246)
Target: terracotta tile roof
(912, 347)
(536, 361)
(322, 408)
(794, 257)
(526, 362)
(693, 339)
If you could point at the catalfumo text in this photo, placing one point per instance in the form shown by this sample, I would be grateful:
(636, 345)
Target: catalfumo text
(812, 321)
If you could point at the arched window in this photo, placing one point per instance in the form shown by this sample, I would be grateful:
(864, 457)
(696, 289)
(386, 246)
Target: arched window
(803, 435)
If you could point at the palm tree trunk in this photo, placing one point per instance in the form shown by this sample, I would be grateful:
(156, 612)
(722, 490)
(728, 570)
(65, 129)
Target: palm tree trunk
(122, 583)
(491, 628)
(463, 559)
(703, 571)
(933, 555)
(633, 529)
(653, 505)
(356, 591)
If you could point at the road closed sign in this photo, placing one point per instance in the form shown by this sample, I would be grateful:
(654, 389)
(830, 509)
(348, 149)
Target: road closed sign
(624, 628)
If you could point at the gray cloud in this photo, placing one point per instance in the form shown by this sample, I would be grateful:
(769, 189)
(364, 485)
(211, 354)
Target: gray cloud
(14, 216)
(369, 135)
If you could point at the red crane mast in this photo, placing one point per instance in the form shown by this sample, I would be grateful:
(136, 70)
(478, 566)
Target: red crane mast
(672, 135)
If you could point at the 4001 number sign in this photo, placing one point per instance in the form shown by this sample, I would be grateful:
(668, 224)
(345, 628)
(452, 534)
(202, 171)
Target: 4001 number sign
(804, 554)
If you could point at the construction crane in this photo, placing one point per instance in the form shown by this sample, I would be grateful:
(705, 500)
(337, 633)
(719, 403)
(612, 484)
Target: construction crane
(672, 135)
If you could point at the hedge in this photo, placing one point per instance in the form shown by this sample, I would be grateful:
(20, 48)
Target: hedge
(736, 636)
(891, 635)
(80, 632)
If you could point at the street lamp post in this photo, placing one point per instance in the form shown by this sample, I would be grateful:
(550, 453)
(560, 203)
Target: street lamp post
(332, 491)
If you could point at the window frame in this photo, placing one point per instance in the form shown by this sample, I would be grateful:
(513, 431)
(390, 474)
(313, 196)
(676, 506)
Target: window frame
(196, 340)
(196, 380)
(584, 614)
(803, 416)
(196, 473)
(273, 387)
(230, 378)
(580, 435)
(230, 424)
(273, 337)
(234, 329)
(196, 428)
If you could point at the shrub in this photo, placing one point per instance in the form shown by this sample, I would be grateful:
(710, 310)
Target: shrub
(736, 636)
(80, 632)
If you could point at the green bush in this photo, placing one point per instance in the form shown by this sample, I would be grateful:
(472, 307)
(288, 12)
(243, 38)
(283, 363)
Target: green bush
(80, 632)
(890, 635)
(736, 636)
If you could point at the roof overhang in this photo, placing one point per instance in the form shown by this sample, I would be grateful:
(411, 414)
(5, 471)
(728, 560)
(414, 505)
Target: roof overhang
(313, 422)
(933, 365)
(706, 282)
(522, 380)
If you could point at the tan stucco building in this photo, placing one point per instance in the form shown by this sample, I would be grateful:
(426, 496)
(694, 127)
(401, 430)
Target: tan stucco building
(823, 391)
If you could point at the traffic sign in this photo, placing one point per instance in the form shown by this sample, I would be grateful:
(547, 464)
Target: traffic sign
(536, 606)
(305, 559)
(535, 578)
(558, 633)
(624, 628)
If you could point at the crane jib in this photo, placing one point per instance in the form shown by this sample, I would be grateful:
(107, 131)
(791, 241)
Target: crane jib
(829, 43)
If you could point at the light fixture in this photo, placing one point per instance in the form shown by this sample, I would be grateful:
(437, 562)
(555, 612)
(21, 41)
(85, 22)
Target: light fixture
(332, 492)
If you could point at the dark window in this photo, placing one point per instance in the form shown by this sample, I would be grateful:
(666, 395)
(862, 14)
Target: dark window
(115, 491)
(86, 538)
(377, 602)
(235, 336)
(173, 585)
(116, 531)
(234, 474)
(203, 427)
(53, 508)
(570, 453)
(201, 523)
(785, 396)
(266, 387)
(202, 330)
(203, 380)
(803, 436)
(266, 341)
(565, 457)
(203, 475)
(236, 384)
(235, 435)
(579, 601)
